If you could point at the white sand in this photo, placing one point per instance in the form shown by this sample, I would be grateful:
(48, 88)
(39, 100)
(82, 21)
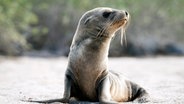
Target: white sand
(42, 78)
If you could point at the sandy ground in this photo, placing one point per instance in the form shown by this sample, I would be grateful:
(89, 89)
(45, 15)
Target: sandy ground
(42, 78)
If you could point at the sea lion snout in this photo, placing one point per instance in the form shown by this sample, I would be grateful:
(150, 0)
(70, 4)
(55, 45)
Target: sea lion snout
(125, 14)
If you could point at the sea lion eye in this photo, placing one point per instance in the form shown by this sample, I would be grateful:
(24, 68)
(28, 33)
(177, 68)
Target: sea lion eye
(106, 14)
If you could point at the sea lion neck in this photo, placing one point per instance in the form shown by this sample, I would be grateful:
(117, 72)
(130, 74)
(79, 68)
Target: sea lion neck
(92, 44)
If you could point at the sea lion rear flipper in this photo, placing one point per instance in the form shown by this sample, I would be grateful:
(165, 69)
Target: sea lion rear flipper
(138, 94)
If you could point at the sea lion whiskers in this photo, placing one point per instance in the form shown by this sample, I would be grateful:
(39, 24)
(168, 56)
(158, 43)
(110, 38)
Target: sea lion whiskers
(123, 32)
(123, 37)
(101, 32)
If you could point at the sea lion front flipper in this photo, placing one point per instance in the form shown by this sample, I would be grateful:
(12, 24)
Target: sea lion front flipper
(63, 100)
(104, 94)
(66, 95)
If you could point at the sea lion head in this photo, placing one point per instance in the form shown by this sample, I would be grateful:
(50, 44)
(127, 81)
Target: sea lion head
(103, 22)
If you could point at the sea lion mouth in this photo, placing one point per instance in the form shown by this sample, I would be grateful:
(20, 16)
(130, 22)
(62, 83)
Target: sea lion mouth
(120, 22)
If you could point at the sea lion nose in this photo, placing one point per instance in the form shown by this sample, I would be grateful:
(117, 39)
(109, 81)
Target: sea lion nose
(126, 14)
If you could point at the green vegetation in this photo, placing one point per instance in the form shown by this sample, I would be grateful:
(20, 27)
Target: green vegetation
(15, 20)
(27, 25)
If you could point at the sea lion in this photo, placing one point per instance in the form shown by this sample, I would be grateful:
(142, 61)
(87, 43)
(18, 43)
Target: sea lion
(87, 77)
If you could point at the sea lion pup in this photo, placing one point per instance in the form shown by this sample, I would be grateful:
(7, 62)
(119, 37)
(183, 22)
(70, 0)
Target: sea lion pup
(87, 77)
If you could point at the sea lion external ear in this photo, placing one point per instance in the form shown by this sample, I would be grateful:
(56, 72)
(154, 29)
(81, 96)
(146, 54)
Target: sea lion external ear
(88, 19)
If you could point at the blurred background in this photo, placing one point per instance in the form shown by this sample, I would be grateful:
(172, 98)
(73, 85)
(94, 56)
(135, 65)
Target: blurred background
(46, 27)
(35, 37)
